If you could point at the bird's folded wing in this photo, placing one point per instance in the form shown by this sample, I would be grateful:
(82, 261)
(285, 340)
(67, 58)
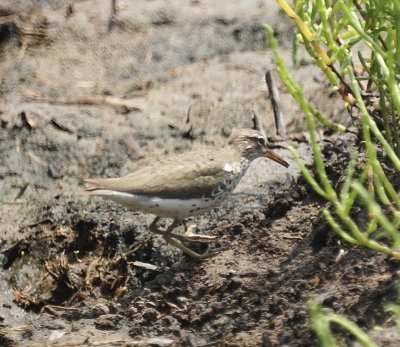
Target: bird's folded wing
(179, 177)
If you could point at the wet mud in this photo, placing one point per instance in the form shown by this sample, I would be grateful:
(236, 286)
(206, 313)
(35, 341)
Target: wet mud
(86, 92)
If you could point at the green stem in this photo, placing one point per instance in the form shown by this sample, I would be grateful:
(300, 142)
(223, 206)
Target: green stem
(344, 194)
(293, 87)
(396, 16)
(369, 124)
(321, 6)
(355, 23)
(377, 212)
(352, 328)
(320, 325)
(336, 228)
(306, 173)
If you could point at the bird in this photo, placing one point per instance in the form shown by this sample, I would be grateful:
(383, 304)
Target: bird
(186, 184)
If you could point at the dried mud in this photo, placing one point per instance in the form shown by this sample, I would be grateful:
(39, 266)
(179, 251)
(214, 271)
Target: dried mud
(80, 271)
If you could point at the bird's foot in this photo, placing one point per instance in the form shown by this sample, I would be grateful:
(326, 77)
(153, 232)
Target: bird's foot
(210, 253)
(190, 236)
(179, 240)
(207, 254)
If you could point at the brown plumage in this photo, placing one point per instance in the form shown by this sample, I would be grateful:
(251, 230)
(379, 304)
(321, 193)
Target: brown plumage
(187, 184)
(186, 176)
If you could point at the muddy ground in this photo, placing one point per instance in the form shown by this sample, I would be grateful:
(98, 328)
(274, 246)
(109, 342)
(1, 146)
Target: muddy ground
(79, 271)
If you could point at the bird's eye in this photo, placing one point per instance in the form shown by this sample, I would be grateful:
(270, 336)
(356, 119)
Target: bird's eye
(261, 141)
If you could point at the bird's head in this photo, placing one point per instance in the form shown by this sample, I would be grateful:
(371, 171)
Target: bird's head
(252, 145)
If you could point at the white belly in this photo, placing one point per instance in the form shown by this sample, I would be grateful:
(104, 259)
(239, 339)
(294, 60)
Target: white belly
(170, 208)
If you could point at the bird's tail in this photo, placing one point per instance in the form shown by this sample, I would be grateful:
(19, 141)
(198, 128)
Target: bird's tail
(94, 187)
(91, 184)
(98, 187)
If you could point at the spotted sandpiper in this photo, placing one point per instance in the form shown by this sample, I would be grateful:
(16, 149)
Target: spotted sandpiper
(185, 185)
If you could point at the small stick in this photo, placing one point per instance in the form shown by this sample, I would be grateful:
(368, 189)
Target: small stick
(146, 266)
(122, 105)
(69, 11)
(111, 22)
(132, 147)
(188, 134)
(188, 114)
(60, 126)
(21, 191)
(30, 119)
(274, 96)
(257, 125)
(35, 159)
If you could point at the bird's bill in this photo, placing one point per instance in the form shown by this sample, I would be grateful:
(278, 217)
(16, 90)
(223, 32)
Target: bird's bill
(271, 155)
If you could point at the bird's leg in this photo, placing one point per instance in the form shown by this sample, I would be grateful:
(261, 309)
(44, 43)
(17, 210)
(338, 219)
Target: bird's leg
(177, 240)
(208, 254)
(154, 228)
(165, 233)
(168, 232)
(188, 237)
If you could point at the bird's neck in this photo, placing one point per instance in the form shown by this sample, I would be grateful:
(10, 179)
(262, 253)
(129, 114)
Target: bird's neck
(244, 164)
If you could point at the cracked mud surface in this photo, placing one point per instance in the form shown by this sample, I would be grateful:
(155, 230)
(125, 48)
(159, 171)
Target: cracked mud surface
(86, 271)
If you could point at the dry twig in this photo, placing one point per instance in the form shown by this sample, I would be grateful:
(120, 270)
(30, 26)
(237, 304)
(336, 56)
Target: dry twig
(121, 105)
(133, 148)
(274, 96)
(257, 125)
(113, 15)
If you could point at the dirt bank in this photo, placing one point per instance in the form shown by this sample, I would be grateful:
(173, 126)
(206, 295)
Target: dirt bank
(86, 271)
